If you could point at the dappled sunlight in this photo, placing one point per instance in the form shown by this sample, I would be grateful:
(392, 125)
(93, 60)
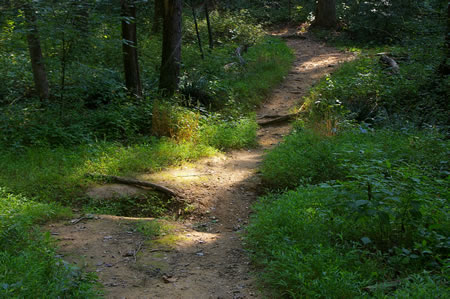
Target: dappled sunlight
(201, 254)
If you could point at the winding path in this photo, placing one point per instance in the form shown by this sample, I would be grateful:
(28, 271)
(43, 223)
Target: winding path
(204, 258)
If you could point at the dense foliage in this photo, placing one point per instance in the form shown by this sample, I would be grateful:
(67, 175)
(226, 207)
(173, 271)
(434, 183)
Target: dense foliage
(91, 124)
(29, 265)
(367, 214)
(367, 164)
(371, 21)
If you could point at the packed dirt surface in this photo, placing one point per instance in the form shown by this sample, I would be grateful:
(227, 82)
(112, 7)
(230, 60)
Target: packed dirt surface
(201, 256)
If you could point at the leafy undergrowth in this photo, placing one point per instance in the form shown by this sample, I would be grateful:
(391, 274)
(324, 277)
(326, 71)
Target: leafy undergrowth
(48, 148)
(370, 217)
(367, 168)
(368, 90)
(43, 158)
(29, 265)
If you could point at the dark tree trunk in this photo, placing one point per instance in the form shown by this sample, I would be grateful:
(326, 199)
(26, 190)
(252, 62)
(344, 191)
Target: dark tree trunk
(290, 9)
(211, 43)
(325, 14)
(157, 16)
(129, 48)
(171, 48)
(444, 68)
(37, 61)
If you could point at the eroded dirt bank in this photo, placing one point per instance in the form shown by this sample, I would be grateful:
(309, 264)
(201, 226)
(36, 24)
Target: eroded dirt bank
(203, 256)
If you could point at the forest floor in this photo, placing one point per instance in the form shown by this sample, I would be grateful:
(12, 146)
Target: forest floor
(201, 256)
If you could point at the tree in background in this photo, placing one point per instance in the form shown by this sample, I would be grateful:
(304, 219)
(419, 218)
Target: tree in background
(171, 47)
(444, 68)
(34, 46)
(157, 16)
(325, 14)
(210, 38)
(129, 48)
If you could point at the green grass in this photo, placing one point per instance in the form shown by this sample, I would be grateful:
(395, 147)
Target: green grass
(370, 208)
(59, 174)
(267, 64)
(94, 127)
(29, 266)
(233, 134)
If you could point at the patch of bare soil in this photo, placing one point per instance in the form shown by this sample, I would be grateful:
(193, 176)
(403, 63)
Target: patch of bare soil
(203, 256)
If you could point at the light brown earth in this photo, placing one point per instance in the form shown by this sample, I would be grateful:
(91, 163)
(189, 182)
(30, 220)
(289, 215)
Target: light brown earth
(203, 256)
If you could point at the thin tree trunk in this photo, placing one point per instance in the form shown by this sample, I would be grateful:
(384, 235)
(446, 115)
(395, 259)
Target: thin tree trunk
(157, 16)
(196, 31)
(290, 9)
(211, 43)
(325, 14)
(129, 48)
(37, 61)
(171, 48)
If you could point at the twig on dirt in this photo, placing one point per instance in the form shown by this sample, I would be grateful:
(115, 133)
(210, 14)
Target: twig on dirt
(136, 251)
(84, 217)
(159, 249)
(188, 175)
(129, 181)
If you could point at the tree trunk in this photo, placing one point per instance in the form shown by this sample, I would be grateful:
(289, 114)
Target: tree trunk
(325, 14)
(444, 68)
(171, 48)
(211, 43)
(157, 16)
(196, 31)
(290, 10)
(37, 61)
(129, 48)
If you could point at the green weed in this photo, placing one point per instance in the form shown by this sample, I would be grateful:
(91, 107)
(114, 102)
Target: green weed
(371, 208)
(29, 266)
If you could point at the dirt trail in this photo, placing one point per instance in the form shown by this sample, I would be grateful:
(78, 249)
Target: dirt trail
(203, 256)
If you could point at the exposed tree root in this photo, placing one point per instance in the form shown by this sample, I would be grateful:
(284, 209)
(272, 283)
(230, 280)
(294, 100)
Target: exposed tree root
(128, 181)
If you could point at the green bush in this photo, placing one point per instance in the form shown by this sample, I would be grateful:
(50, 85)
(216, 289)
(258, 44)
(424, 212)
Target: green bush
(377, 212)
(29, 266)
(302, 157)
(231, 134)
(367, 90)
(376, 21)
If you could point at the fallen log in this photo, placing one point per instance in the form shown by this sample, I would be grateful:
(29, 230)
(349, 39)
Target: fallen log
(276, 119)
(293, 35)
(128, 181)
(391, 62)
(239, 51)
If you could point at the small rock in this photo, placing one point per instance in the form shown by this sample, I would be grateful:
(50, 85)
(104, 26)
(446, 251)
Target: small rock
(168, 279)
(200, 253)
(128, 253)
